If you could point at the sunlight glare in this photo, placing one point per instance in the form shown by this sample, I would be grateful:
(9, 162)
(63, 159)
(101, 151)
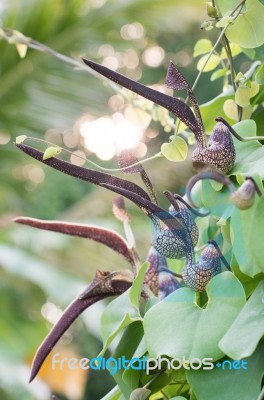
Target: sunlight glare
(107, 136)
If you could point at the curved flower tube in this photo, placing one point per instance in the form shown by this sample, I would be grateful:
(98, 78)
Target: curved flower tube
(220, 150)
(170, 237)
(242, 197)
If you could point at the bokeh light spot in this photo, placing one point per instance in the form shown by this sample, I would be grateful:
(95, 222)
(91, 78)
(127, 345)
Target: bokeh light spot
(132, 31)
(153, 56)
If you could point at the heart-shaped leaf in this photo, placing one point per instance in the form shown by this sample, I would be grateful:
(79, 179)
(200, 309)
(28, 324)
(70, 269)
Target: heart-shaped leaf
(248, 29)
(230, 383)
(247, 238)
(242, 96)
(176, 150)
(178, 327)
(51, 152)
(250, 155)
(203, 46)
(211, 64)
(243, 336)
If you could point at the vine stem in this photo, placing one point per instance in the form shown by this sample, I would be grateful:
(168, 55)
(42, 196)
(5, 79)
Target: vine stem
(164, 395)
(238, 7)
(154, 378)
(209, 56)
(202, 69)
(14, 37)
(221, 37)
(157, 155)
(180, 388)
(232, 72)
(230, 60)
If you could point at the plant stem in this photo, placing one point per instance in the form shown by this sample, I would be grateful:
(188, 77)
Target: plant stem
(232, 72)
(154, 378)
(164, 395)
(180, 388)
(230, 60)
(209, 56)
(238, 7)
(221, 36)
(234, 133)
(157, 155)
(35, 45)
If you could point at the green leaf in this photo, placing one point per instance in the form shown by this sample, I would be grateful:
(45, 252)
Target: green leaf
(248, 29)
(113, 394)
(250, 155)
(228, 384)
(247, 238)
(175, 150)
(218, 74)
(140, 394)
(242, 96)
(259, 119)
(51, 152)
(116, 316)
(178, 327)
(260, 75)
(235, 50)
(213, 109)
(136, 288)
(211, 64)
(230, 110)
(217, 186)
(202, 46)
(240, 77)
(226, 6)
(255, 54)
(21, 49)
(20, 139)
(254, 89)
(217, 202)
(242, 337)
(126, 379)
